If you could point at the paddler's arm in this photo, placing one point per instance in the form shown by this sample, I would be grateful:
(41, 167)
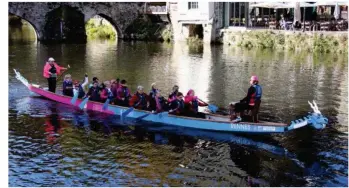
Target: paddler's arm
(85, 81)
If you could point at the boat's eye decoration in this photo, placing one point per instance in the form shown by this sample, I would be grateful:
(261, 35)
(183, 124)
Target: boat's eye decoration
(21, 78)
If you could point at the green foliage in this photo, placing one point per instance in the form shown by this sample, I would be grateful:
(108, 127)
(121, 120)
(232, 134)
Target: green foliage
(166, 34)
(292, 41)
(104, 31)
(194, 40)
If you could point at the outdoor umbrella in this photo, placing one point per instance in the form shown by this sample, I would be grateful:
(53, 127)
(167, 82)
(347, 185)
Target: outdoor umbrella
(331, 3)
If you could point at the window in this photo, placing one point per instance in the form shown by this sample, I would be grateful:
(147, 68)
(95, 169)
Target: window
(237, 14)
(193, 5)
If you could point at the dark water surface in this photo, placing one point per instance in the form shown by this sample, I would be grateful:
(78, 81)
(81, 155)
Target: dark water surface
(53, 144)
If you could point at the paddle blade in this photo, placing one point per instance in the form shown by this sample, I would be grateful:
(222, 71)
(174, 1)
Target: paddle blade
(124, 114)
(213, 108)
(105, 105)
(83, 103)
(75, 97)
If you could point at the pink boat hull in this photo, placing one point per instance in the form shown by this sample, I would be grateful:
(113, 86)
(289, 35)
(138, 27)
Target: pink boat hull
(95, 106)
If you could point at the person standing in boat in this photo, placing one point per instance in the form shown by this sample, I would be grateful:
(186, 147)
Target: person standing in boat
(177, 105)
(173, 95)
(140, 100)
(93, 92)
(51, 71)
(251, 102)
(68, 86)
(192, 104)
(106, 93)
(79, 87)
(123, 94)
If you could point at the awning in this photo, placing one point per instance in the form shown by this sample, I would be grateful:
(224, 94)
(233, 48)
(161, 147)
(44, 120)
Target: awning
(301, 4)
(269, 5)
(331, 3)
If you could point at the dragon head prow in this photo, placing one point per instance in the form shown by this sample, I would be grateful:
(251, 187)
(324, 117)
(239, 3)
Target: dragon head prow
(316, 119)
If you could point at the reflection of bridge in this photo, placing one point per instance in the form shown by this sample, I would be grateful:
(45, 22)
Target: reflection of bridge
(51, 21)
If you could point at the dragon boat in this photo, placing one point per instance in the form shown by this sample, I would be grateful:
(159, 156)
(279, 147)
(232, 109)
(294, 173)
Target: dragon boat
(212, 122)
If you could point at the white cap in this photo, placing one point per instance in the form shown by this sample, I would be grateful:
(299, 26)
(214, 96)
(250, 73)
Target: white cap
(51, 59)
(140, 88)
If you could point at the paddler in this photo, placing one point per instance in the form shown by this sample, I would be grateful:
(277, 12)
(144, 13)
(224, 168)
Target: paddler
(159, 103)
(173, 95)
(106, 92)
(140, 100)
(79, 87)
(153, 90)
(93, 92)
(68, 85)
(123, 94)
(51, 71)
(192, 104)
(177, 105)
(251, 102)
(94, 79)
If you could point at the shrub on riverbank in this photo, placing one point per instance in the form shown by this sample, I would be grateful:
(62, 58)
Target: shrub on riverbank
(290, 41)
(102, 31)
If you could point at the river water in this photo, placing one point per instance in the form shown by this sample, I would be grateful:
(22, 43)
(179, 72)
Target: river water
(53, 144)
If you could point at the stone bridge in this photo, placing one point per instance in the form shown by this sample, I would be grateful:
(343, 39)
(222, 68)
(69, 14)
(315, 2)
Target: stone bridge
(66, 20)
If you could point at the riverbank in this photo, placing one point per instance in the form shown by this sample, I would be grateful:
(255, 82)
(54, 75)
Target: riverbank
(323, 42)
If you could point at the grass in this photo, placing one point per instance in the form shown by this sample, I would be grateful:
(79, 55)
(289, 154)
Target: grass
(318, 43)
(104, 31)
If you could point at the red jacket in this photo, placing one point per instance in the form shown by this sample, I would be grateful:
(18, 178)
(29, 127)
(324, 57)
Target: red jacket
(104, 94)
(137, 103)
(47, 68)
(188, 99)
(114, 89)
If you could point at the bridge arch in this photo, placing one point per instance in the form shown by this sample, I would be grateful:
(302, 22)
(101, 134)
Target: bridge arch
(118, 30)
(38, 34)
(65, 23)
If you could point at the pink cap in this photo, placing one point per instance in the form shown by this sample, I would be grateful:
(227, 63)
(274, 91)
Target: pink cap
(254, 78)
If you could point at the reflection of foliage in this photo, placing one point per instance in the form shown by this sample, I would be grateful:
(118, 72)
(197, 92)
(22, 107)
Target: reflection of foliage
(102, 31)
(166, 33)
(194, 40)
(143, 28)
(296, 41)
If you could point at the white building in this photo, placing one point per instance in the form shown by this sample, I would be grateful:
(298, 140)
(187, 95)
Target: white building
(206, 19)
(190, 19)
